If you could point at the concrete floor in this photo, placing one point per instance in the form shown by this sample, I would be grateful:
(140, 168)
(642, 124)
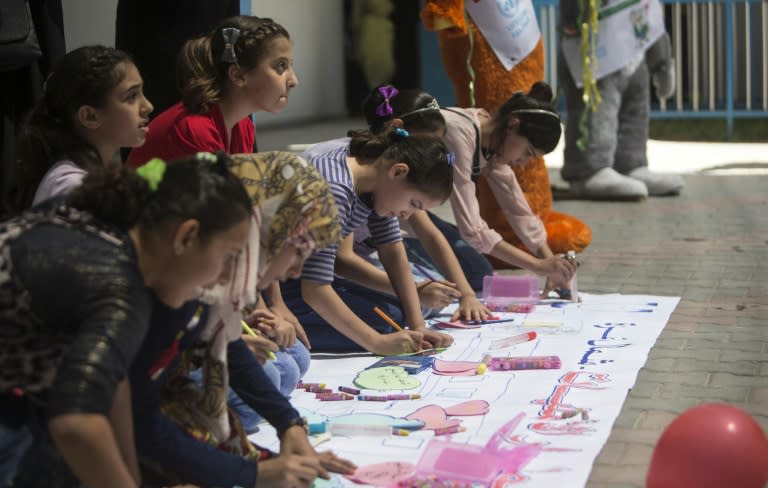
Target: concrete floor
(709, 246)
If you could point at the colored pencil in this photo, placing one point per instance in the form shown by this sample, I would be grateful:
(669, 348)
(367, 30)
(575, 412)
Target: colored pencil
(247, 329)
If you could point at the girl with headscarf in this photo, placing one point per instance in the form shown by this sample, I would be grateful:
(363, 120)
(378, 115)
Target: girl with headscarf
(195, 437)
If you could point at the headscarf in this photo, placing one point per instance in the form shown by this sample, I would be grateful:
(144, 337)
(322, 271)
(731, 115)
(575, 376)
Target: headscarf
(292, 204)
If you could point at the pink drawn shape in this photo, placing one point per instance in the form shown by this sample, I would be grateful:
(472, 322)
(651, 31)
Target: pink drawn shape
(469, 372)
(451, 367)
(434, 417)
(382, 474)
(456, 324)
(465, 409)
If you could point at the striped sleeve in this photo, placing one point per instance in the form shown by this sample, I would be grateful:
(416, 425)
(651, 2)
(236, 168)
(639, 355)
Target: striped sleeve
(384, 230)
(319, 267)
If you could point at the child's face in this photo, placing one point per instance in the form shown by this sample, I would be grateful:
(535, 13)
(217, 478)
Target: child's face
(516, 150)
(125, 115)
(287, 264)
(395, 197)
(199, 264)
(269, 83)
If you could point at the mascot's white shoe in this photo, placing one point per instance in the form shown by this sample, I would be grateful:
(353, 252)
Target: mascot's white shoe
(658, 184)
(608, 184)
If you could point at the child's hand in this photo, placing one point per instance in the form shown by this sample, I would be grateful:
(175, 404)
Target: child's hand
(259, 345)
(335, 464)
(398, 343)
(435, 339)
(262, 320)
(557, 268)
(470, 308)
(289, 471)
(437, 294)
(284, 333)
(289, 317)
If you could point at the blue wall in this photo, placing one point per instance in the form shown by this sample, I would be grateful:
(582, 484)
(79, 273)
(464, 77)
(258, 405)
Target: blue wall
(433, 78)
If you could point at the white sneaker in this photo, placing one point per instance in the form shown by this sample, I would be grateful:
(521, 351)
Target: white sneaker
(658, 184)
(608, 184)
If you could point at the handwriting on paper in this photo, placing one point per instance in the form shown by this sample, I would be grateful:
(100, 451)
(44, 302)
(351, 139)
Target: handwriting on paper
(386, 378)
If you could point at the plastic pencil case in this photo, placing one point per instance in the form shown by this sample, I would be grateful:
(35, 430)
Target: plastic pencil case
(470, 463)
(511, 293)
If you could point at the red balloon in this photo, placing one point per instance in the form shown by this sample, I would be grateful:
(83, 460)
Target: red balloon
(713, 445)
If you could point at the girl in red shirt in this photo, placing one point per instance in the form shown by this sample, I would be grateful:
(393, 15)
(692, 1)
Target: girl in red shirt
(244, 65)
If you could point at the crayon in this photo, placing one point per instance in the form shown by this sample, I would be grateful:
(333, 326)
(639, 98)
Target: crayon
(454, 429)
(526, 362)
(362, 429)
(404, 396)
(318, 389)
(349, 389)
(247, 329)
(313, 385)
(334, 397)
(372, 398)
(513, 340)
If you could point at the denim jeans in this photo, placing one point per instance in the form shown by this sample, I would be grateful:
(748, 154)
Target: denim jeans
(361, 300)
(474, 265)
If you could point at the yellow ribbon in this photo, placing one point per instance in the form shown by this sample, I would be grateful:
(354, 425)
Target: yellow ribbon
(588, 50)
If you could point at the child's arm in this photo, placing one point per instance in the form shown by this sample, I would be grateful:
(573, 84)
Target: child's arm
(88, 445)
(121, 420)
(395, 262)
(440, 251)
(327, 303)
(355, 268)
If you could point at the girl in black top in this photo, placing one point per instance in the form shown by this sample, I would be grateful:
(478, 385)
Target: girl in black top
(77, 279)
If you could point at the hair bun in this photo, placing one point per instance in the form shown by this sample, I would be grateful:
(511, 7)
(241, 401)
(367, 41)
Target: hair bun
(542, 92)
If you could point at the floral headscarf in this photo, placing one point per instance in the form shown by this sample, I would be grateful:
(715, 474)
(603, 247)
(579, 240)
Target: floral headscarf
(292, 204)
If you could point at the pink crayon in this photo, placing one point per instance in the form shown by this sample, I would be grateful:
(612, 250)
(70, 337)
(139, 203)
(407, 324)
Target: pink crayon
(335, 397)
(350, 390)
(317, 389)
(403, 397)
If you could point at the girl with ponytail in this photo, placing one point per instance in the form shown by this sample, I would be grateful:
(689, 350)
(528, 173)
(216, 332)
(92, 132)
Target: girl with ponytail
(489, 145)
(244, 65)
(375, 178)
(79, 277)
(92, 105)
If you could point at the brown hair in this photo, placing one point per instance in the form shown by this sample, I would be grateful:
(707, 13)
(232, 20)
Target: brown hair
(202, 68)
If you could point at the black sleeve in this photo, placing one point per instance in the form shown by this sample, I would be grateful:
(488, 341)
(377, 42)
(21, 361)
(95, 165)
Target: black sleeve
(247, 378)
(159, 441)
(91, 300)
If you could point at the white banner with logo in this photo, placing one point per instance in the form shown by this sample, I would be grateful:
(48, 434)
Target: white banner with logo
(626, 29)
(510, 27)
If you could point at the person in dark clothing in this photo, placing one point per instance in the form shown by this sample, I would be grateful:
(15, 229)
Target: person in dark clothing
(77, 281)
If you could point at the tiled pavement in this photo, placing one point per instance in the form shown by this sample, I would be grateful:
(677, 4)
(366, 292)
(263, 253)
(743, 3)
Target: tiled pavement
(709, 246)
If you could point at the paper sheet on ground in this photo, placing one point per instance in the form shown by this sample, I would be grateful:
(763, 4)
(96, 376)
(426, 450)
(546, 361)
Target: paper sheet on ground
(600, 363)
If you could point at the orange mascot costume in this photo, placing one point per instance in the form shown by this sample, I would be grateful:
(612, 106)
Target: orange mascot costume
(493, 86)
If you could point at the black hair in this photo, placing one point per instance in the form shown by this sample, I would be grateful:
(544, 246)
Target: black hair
(85, 76)
(417, 109)
(202, 68)
(429, 169)
(191, 188)
(539, 121)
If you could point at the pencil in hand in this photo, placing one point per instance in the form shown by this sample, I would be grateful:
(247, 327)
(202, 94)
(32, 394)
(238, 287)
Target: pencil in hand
(381, 313)
(249, 331)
